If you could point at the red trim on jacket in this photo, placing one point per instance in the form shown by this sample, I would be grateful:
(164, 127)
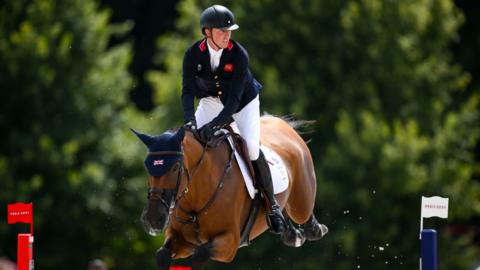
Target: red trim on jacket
(203, 45)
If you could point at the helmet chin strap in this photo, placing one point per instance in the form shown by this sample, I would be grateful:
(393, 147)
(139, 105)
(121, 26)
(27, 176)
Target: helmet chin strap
(211, 38)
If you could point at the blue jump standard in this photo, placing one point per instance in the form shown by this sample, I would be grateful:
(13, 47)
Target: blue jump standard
(429, 249)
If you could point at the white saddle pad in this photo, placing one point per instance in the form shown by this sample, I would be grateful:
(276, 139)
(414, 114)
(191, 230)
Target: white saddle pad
(276, 164)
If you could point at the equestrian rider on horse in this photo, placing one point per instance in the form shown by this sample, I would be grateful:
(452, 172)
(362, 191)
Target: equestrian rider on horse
(215, 70)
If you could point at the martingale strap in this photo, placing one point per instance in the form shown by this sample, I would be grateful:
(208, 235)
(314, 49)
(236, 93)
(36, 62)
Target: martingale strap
(193, 216)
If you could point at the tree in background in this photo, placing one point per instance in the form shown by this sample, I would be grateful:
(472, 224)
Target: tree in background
(380, 81)
(394, 122)
(64, 118)
(150, 19)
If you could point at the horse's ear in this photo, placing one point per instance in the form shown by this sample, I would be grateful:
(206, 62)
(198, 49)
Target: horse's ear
(146, 139)
(180, 134)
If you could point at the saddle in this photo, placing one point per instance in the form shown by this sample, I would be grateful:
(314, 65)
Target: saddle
(239, 143)
(241, 147)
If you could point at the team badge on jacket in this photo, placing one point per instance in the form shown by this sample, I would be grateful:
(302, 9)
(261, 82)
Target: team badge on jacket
(228, 68)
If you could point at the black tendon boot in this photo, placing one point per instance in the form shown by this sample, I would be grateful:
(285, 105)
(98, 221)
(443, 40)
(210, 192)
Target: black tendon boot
(264, 179)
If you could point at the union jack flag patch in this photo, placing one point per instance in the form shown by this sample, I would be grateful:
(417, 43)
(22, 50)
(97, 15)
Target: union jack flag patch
(158, 162)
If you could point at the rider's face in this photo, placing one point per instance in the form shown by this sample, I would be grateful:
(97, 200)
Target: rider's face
(220, 37)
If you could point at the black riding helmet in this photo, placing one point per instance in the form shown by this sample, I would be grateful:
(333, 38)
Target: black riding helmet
(217, 16)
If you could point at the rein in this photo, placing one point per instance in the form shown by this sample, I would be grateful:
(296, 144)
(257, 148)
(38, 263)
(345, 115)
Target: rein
(161, 193)
(192, 215)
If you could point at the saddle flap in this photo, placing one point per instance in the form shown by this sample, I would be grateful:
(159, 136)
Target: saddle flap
(241, 147)
(280, 177)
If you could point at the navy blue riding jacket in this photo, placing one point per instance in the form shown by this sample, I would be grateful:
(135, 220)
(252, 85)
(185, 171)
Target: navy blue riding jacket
(232, 81)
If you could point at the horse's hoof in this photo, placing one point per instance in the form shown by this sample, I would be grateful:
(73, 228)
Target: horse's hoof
(316, 232)
(293, 237)
(276, 222)
(164, 258)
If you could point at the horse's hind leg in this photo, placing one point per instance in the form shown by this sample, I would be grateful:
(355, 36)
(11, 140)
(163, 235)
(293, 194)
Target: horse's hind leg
(292, 236)
(314, 230)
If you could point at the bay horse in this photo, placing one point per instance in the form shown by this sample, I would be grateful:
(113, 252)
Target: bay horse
(198, 198)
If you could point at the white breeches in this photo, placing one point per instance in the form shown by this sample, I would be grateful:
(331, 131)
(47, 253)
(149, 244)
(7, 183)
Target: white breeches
(247, 120)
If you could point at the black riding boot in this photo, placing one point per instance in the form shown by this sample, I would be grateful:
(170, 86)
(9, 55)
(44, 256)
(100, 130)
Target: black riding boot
(264, 179)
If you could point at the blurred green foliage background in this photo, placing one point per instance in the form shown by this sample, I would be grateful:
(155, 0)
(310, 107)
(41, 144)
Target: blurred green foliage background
(393, 86)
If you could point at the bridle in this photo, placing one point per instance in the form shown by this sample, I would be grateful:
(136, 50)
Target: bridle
(159, 194)
(165, 195)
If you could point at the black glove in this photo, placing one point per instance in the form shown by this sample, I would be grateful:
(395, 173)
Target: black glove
(191, 124)
(207, 131)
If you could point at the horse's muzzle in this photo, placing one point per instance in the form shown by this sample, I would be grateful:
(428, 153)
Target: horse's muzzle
(154, 217)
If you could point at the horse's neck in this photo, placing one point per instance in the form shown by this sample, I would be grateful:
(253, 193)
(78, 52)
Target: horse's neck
(206, 175)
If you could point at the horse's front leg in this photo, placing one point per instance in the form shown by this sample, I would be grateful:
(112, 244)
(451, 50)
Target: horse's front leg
(174, 247)
(201, 256)
(222, 248)
(164, 255)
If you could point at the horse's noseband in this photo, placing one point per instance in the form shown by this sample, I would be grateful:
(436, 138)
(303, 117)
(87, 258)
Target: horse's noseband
(165, 196)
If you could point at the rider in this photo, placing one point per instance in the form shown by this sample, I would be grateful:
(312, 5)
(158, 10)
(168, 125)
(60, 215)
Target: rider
(215, 70)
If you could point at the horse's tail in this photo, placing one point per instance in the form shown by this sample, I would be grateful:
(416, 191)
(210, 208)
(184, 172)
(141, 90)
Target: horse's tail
(302, 127)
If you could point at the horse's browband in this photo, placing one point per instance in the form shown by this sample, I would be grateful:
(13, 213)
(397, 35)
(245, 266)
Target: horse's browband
(158, 153)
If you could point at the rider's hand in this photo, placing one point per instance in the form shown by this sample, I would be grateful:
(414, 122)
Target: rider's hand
(191, 124)
(207, 131)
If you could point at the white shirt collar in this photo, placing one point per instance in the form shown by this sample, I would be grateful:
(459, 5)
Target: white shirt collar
(214, 57)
